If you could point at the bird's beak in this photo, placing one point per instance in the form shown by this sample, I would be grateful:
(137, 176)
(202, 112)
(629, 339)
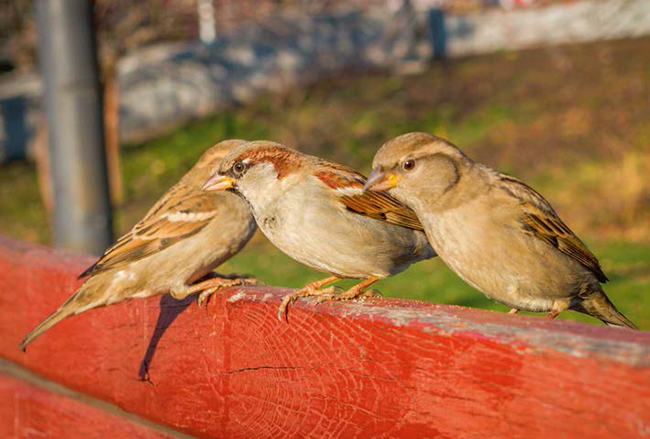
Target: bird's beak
(380, 180)
(217, 183)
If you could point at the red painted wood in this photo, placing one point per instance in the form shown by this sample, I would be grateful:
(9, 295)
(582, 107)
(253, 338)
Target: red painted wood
(382, 368)
(28, 411)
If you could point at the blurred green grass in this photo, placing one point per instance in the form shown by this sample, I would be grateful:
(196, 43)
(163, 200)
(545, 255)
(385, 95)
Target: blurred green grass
(571, 121)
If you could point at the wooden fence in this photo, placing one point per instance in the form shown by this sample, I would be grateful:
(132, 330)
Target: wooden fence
(374, 369)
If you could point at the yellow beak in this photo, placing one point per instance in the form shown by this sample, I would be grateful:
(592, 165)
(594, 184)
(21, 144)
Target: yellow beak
(217, 183)
(380, 180)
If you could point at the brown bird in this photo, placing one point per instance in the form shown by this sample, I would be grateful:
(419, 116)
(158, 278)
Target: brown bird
(494, 231)
(315, 211)
(184, 236)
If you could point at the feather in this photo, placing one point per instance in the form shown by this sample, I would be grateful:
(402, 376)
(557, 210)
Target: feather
(540, 220)
(348, 184)
(173, 218)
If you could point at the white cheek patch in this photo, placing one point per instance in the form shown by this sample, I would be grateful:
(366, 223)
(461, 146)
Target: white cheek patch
(176, 217)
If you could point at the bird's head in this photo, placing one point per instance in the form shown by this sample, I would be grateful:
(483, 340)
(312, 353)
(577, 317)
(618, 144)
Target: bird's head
(210, 160)
(257, 171)
(417, 166)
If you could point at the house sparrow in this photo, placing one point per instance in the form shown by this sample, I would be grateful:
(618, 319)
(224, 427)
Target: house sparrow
(494, 231)
(184, 236)
(316, 212)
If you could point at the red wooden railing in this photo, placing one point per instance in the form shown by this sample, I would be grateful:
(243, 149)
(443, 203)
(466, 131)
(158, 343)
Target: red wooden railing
(379, 368)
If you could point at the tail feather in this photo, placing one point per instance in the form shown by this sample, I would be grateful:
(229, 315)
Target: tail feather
(80, 301)
(598, 305)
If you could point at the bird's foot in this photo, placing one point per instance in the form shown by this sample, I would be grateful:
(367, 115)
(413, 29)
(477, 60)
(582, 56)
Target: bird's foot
(369, 294)
(552, 314)
(209, 287)
(357, 291)
(308, 291)
(204, 296)
(557, 308)
(348, 295)
(513, 311)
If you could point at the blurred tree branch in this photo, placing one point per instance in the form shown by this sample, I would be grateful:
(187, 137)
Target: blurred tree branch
(123, 26)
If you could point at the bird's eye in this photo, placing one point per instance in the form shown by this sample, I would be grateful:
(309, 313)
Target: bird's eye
(239, 168)
(408, 164)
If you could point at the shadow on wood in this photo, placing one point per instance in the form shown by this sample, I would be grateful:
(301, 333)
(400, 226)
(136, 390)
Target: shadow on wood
(170, 308)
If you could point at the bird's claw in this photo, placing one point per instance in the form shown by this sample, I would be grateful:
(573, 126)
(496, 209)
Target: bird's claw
(330, 295)
(325, 298)
(369, 294)
(204, 296)
(282, 309)
(303, 292)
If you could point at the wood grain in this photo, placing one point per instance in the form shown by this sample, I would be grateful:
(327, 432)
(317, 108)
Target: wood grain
(379, 368)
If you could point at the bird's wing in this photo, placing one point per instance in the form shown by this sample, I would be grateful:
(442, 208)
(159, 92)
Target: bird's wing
(179, 214)
(539, 219)
(348, 185)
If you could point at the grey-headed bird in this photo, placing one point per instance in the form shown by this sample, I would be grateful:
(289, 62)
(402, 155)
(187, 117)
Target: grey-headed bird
(316, 212)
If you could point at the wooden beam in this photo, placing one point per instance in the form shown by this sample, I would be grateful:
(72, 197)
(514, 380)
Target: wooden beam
(28, 410)
(379, 368)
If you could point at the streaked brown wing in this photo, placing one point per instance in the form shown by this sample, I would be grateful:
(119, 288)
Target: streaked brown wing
(381, 206)
(540, 219)
(169, 221)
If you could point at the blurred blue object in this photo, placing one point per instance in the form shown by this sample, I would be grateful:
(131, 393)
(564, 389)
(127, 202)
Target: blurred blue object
(13, 112)
(437, 33)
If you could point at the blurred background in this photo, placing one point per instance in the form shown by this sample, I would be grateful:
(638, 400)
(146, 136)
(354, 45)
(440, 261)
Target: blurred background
(556, 93)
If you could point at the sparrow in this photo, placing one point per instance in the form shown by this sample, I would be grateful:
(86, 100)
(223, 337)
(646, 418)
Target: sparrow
(495, 232)
(316, 212)
(184, 236)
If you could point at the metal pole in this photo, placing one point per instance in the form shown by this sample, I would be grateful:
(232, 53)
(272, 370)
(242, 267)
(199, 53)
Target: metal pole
(73, 104)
